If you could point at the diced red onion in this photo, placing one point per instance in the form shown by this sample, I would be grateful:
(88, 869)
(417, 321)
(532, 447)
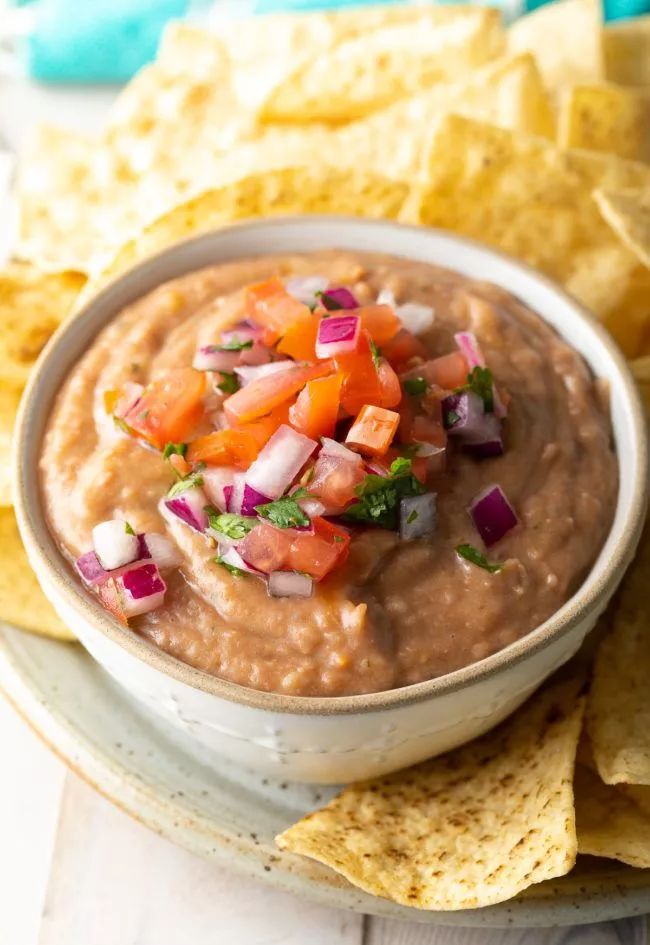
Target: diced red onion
(114, 546)
(280, 461)
(142, 589)
(339, 298)
(251, 499)
(216, 479)
(129, 397)
(290, 584)
(247, 374)
(211, 358)
(337, 335)
(162, 551)
(241, 332)
(500, 409)
(227, 495)
(492, 514)
(488, 443)
(417, 516)
(257, 355)
(235, 560)
(90, 569)
(306, 288)
(333, 448)
(427, 450)
(464, 415)
(377, 468)
(468, 344)
(189, 507)
(235, 497)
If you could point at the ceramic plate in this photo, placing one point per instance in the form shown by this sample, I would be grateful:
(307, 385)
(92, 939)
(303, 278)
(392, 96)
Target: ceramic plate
(230, 814)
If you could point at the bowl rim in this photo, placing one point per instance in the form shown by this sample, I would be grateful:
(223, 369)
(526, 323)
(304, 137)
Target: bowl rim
(54, 572)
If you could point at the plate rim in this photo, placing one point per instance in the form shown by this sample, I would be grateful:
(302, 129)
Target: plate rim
(179, 824)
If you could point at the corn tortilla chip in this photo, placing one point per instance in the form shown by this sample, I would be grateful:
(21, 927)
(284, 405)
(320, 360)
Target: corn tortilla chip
(22, 602)
(466, 830)
(610, 821)
(284, 191)
(628, 213)
(367, 73)
(565, 38)
(618, 715)
(534, 201)
(626, 49)
(32, 305)
(608, 118)
(9, 400)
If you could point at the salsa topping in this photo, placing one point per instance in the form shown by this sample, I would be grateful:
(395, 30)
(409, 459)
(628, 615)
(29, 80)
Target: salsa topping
(315, 414)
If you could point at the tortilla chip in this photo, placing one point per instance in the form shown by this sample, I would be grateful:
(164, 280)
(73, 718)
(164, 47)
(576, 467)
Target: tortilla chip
(609, 820)
(628, 213)
(607, 118)
(565, 38)
(9, 400)
(534, 201)
(22, 603)
(465, 830)
(32, 305)
(370, 72)
(393, 141)
(618, 715)
(626, 49)
(287, 190)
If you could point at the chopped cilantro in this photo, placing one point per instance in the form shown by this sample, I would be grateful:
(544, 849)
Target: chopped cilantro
(302, 493)
(187, 482)
(415, 386)
(470, 553)
(230, 567)
(233, 526)
(128, 529)
(283, 513)
(480, 382)
(228, 383)
(451, 418)
(412, 517)
(339, 539)
(174, 449)
(376, 354)
(233, 345)
(380, 496)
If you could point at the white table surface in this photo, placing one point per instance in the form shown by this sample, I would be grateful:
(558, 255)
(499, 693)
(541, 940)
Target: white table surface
(74, 870)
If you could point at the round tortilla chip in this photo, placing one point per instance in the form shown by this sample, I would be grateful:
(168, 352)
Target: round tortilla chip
(22, 602)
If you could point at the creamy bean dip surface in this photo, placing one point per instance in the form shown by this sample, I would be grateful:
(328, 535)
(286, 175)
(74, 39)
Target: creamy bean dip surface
(396, 611)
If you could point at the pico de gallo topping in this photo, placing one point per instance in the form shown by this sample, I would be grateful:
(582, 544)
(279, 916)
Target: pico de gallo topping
(312, 417)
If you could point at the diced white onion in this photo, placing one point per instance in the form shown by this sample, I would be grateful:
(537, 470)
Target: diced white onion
(247, 374)
(290, 584)
(414, 316)
(280, 461)
(162, 551)
(214, 480)
(306, 288)
(113, 545)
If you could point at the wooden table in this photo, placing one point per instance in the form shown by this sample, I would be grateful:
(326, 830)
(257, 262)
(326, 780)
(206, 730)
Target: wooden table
(76, 871)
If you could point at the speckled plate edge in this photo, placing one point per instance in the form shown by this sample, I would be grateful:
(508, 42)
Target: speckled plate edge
(605, 893)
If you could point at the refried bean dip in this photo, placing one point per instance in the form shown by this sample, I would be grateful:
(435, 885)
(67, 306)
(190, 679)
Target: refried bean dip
(452, 455)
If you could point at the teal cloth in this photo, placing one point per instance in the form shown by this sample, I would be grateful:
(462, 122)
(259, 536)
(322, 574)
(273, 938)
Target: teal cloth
(96, 40)
(613, 9)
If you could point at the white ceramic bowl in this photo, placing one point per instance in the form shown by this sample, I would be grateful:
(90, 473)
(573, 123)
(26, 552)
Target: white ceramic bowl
(327, 739)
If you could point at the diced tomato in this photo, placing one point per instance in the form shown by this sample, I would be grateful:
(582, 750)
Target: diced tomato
(390, 391)
(380, 321)
(402, 348)
(428, 430)
(265, 394)
(179, 464)
(317, 409)
(266, 548)
(169, 408)
(406, 413)
(299, 341)
(269, 304)
(360, 379)
(449, 372)
(373, 430)
(335, 479)
(320, 553)
(227, 447)
(263, 429)
(111, 598)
